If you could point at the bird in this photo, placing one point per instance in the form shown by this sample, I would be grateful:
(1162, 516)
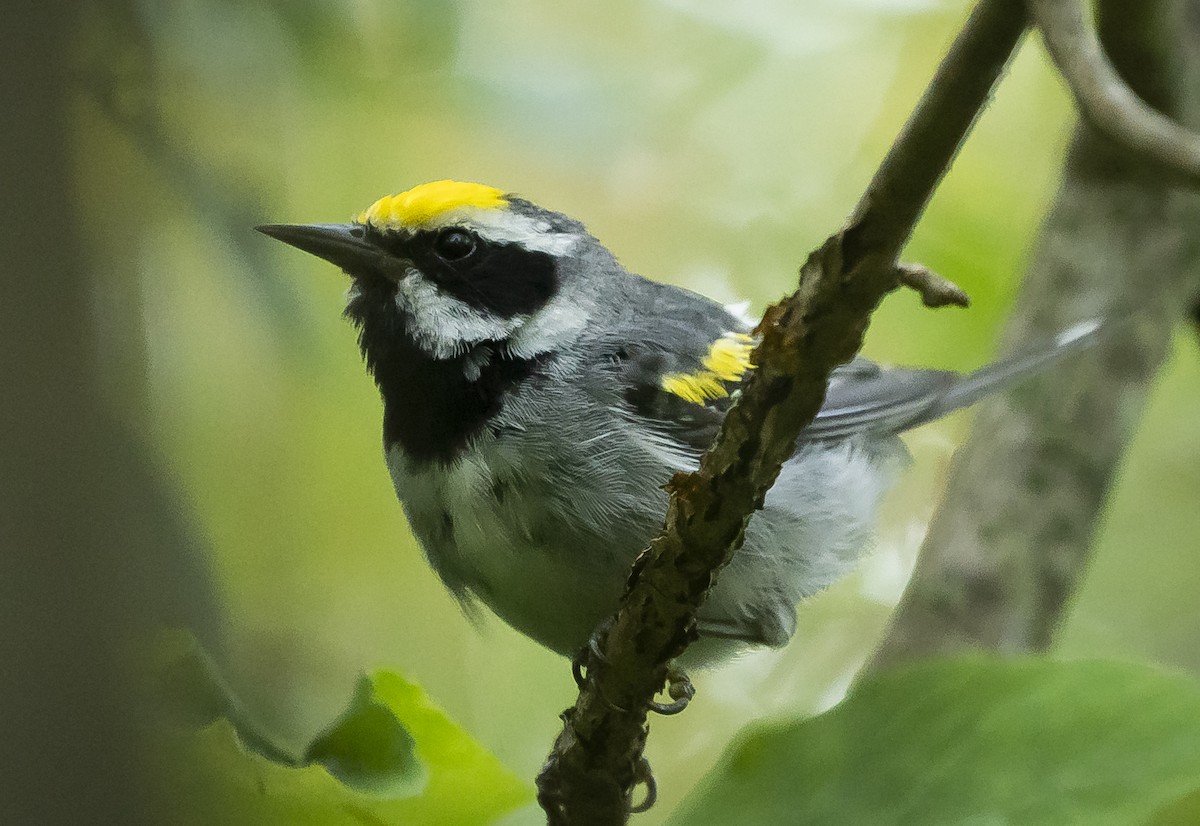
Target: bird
(537, 396)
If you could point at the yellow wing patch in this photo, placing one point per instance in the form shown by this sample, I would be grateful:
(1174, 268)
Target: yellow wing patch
(727, 361)
(421, 204)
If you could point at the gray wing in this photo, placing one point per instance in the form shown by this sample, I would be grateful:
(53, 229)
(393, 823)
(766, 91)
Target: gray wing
(862, 396)
(675, 340)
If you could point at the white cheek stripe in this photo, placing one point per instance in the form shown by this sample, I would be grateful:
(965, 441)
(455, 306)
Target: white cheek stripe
(442, 325)
(445, 327)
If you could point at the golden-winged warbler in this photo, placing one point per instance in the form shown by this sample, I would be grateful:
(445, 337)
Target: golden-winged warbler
(537, 396)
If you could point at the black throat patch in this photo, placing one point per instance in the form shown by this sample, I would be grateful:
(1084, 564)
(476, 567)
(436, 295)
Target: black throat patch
(432, 408)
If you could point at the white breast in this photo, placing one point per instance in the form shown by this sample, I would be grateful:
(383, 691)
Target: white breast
(493, 530)
(545, 531)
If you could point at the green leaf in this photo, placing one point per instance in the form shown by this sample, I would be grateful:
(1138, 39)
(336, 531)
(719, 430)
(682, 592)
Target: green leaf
(368, 748)
(391, 757)
(973, 741)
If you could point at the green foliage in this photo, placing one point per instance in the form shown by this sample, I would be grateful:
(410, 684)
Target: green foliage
(391, 757)
(974, 740)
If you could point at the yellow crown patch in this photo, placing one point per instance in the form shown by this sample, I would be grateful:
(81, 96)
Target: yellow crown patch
(727, 361)
(423, 203)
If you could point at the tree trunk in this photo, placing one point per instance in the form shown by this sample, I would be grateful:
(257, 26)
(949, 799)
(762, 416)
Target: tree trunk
(1122, 241)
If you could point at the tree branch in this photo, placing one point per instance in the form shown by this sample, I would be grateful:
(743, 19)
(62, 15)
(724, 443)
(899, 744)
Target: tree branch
(597, 759)
(1012, 536)
(1104, 98)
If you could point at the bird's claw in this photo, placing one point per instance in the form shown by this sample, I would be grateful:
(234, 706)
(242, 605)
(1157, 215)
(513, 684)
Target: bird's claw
(643, 774)
(580, 660)
(679, 689)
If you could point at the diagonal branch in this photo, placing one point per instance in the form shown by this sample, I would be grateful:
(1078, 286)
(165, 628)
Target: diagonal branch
(1104, 98)
(597, 758)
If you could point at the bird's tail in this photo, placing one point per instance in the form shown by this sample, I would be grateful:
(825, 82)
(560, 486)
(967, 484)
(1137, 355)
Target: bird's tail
(974, 386)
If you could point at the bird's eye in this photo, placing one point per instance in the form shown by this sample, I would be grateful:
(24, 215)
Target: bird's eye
(454, 244)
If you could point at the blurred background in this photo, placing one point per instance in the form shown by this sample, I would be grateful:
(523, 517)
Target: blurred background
(709, 144)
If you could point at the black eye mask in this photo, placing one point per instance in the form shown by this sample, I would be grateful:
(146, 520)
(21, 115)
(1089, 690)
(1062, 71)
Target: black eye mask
(503, 279)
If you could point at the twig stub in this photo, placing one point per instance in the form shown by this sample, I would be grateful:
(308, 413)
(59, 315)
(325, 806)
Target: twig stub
(935, 290)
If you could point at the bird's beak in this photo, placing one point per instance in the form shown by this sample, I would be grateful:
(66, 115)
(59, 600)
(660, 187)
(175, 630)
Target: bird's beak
(342, 244)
